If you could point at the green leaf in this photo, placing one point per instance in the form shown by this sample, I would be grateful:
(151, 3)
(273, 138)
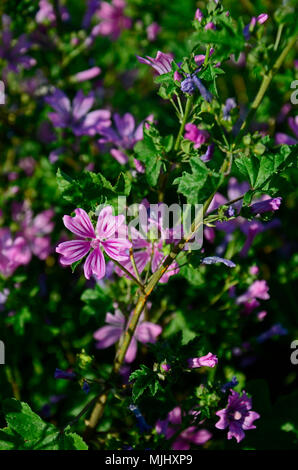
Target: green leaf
(26, 430)
(260, 170)
(144, 378)
(199, 184)
(150, 150)
(90, 189)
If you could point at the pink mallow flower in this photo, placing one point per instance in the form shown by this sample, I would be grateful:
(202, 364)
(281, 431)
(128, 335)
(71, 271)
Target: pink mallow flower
(257, 290)
(161, 63)
(13, 252)
(76, 115)
(152, 31)
(210, 360)
(199, 15)
(113, 20)
(191, 435)
(46, 12)
(237, 416)
(109, 235)
(196, 135)
(34, 231)
(124, 136)
(146, 332)
(147, 251)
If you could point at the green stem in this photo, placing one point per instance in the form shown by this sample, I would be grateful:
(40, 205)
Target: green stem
(278, 36)
(185, 117)
(207, 55)
(264, 86)
(137, 281)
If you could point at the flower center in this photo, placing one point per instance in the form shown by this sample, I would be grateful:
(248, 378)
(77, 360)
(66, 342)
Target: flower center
(237, 415)
(95, 242)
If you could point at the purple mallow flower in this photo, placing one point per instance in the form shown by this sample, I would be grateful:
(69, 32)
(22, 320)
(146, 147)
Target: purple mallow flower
(161, 63)
(199, 15)
(124, 136)
(257, 290)
(46, 12)
(266, 205)
(147, 251)
(113, 20)
(152, 31)
(146, 332)
(196, 135)
(76, 115)
(109, 235)
(13, 252)
(191, 435)
(210, 360)
(237, 416)
(14, 52)
(281, 138)
(210, 25)
(34, 231)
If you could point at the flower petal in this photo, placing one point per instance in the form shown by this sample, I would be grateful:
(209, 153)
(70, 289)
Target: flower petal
(80, 224)
(132, 351)
(95, 264)
(148, 332)
(72, 251)
(115, 248)
(107, 223)
(106, 336)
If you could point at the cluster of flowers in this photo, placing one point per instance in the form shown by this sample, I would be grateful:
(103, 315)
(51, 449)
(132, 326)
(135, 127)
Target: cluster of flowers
(32, 238)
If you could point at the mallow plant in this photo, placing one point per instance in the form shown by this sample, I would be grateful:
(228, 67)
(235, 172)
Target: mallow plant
(150, 181)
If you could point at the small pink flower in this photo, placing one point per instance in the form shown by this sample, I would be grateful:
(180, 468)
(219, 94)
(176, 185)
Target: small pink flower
(13, 252)
(106, 236)
(146, 332)
(199, 15)
(254, 270)
(210, 360)
(177, 76)
(152, 31)
(210, 26)
(261, 315)
(262, 18)
(147, 252)
(113, 20)
(257, 290)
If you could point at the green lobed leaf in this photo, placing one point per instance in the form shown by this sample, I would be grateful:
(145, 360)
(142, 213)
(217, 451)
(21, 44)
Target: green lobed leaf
(199, 184)
(26, 430)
